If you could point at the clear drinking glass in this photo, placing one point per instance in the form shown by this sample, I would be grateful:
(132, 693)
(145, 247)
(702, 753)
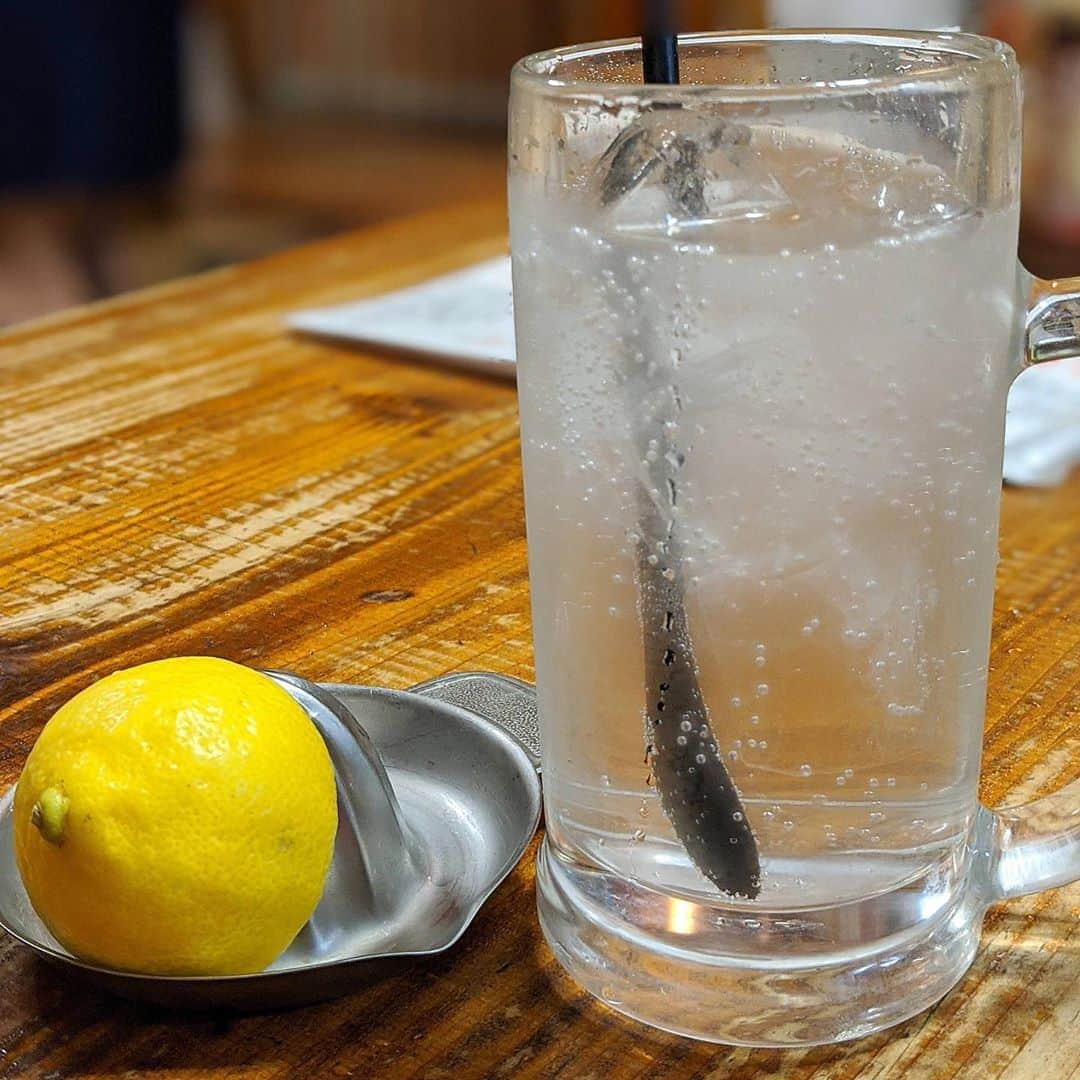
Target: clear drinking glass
(766, 321)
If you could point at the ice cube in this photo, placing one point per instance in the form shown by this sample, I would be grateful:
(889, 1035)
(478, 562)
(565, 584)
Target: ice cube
(675, 170)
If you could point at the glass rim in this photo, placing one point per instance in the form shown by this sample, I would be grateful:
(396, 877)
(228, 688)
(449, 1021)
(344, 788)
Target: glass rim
(965, 53)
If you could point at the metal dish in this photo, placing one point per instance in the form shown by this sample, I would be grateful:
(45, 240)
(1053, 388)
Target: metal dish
(436, 804)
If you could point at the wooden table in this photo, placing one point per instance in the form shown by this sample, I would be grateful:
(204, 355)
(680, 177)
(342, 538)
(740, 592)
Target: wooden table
(180, 475)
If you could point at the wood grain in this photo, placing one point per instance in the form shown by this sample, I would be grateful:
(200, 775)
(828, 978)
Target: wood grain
(179, 475)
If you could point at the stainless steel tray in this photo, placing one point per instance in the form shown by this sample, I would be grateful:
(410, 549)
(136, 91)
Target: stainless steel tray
(437, 801)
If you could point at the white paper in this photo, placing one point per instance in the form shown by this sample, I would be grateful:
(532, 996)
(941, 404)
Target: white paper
(464, 318)
(467, 318)
(1042, 427)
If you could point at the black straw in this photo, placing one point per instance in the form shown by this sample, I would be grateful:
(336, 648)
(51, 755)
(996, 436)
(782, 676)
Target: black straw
(659, 44)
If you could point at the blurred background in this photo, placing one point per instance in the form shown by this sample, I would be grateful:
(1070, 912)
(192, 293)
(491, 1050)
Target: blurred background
(141, 140)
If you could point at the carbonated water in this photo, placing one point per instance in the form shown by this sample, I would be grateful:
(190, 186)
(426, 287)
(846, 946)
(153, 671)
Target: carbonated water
(838, 524)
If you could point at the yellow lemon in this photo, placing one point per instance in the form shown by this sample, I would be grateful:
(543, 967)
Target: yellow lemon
(177, 818)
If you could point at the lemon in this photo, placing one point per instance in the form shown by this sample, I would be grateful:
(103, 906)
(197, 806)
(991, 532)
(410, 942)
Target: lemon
(177, 818)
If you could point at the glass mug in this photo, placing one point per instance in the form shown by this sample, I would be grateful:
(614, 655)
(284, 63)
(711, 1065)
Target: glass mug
(766, 322)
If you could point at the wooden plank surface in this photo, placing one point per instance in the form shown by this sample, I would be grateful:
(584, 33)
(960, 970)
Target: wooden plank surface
(179, 475)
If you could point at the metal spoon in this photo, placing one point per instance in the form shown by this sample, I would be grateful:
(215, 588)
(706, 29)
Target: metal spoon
(696, 791)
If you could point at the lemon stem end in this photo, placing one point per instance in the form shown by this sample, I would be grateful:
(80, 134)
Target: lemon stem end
(49, 815)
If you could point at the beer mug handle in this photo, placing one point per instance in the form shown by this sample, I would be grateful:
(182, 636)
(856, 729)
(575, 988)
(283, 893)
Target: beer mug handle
(1036, 846)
